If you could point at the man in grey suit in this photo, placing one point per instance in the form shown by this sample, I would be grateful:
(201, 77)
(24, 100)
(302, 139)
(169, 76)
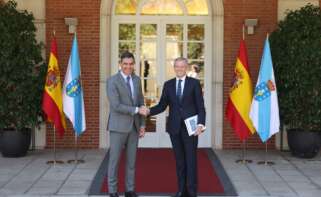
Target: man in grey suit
(125, 123)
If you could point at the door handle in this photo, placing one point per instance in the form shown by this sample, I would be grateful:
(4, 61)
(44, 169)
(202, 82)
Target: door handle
(158, 91)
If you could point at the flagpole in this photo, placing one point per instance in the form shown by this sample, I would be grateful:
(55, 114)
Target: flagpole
(76, 151)
(55, 154)
(243, 151)
(266, 150)
(266, 162)
(243, 160)
(76, 160)
(77, 128)
(54, 161)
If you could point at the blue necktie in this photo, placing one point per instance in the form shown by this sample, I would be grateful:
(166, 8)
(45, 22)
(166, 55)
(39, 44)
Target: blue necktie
(128, 86)
(179, 90)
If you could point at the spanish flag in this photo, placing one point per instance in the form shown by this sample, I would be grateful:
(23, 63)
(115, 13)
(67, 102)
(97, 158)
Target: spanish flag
(52, 96)
(239, 102)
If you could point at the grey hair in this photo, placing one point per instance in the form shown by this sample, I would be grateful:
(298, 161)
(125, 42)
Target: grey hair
(181, 59)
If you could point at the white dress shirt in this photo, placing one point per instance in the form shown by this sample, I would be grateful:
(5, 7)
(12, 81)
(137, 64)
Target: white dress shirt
(183, 85)
(130, 82)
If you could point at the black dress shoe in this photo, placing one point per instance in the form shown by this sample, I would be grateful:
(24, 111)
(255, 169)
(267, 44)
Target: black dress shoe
(131, 194)
(180, 194)
(113, 195)
(192, 195)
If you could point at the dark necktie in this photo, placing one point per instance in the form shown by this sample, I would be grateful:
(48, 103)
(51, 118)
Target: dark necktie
(128, 86)
(179, 90)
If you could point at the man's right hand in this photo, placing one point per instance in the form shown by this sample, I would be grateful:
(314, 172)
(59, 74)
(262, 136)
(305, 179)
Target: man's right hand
(143, 110)
(142, 131)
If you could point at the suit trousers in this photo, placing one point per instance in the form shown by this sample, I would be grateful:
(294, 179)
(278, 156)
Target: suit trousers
(185, 150)
(118, 141)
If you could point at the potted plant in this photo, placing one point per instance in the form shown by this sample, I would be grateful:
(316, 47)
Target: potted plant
(296, 52)
(22, 75)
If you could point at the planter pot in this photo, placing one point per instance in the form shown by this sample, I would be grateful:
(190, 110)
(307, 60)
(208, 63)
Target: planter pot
(15, 143)
(0, 141)
(304, 144)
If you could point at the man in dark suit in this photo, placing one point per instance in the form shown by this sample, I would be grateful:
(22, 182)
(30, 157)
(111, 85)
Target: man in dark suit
(184, 97)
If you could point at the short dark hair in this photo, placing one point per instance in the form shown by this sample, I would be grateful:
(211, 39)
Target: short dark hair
(126, 54)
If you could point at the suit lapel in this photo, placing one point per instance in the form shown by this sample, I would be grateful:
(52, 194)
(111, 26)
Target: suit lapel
(173, 89)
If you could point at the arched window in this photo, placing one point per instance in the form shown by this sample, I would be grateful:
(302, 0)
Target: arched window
(162, 7)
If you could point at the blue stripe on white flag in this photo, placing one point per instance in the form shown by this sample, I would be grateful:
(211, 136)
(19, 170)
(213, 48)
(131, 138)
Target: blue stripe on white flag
(265, 105)
(78, 100)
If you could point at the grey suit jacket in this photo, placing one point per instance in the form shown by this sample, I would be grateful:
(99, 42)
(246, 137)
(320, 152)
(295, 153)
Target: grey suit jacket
(122, 115)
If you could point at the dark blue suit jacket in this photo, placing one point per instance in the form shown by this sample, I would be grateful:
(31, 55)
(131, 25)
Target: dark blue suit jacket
(192, 103)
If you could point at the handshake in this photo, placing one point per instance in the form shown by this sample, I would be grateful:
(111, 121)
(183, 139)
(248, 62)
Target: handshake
(143, 110)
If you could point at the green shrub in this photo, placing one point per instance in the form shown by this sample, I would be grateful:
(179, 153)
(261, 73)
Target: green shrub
(296, 52)
(22, 71)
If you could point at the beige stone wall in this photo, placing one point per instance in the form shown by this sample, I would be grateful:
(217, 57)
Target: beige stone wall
(38, 9)
(284, 5)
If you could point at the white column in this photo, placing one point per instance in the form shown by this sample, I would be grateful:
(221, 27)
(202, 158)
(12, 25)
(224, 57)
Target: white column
(217, 75)
(104, 68)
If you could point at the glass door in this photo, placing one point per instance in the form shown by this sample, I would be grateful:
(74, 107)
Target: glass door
(151, 74)
(160, 44)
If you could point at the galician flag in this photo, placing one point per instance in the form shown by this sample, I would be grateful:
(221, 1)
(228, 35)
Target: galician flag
(239, 102)
(73, 100)
(52, 95)
(265, 109)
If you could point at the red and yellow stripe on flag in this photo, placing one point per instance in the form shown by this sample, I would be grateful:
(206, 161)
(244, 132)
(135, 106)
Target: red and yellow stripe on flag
(239, 102)
(52, 96)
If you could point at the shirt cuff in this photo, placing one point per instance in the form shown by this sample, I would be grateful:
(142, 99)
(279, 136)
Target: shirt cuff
(201, 125)
(136, 110)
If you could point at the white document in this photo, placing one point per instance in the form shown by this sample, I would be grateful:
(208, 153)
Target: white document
(191, 125)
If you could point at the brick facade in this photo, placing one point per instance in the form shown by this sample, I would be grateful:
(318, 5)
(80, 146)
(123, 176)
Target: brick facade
(88, 14)
(234, 14)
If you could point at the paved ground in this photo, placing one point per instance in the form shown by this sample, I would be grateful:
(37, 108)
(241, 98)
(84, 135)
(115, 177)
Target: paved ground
(288, 177)
(31, 176)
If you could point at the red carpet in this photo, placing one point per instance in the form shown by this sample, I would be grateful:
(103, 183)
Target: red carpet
(156, 173)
